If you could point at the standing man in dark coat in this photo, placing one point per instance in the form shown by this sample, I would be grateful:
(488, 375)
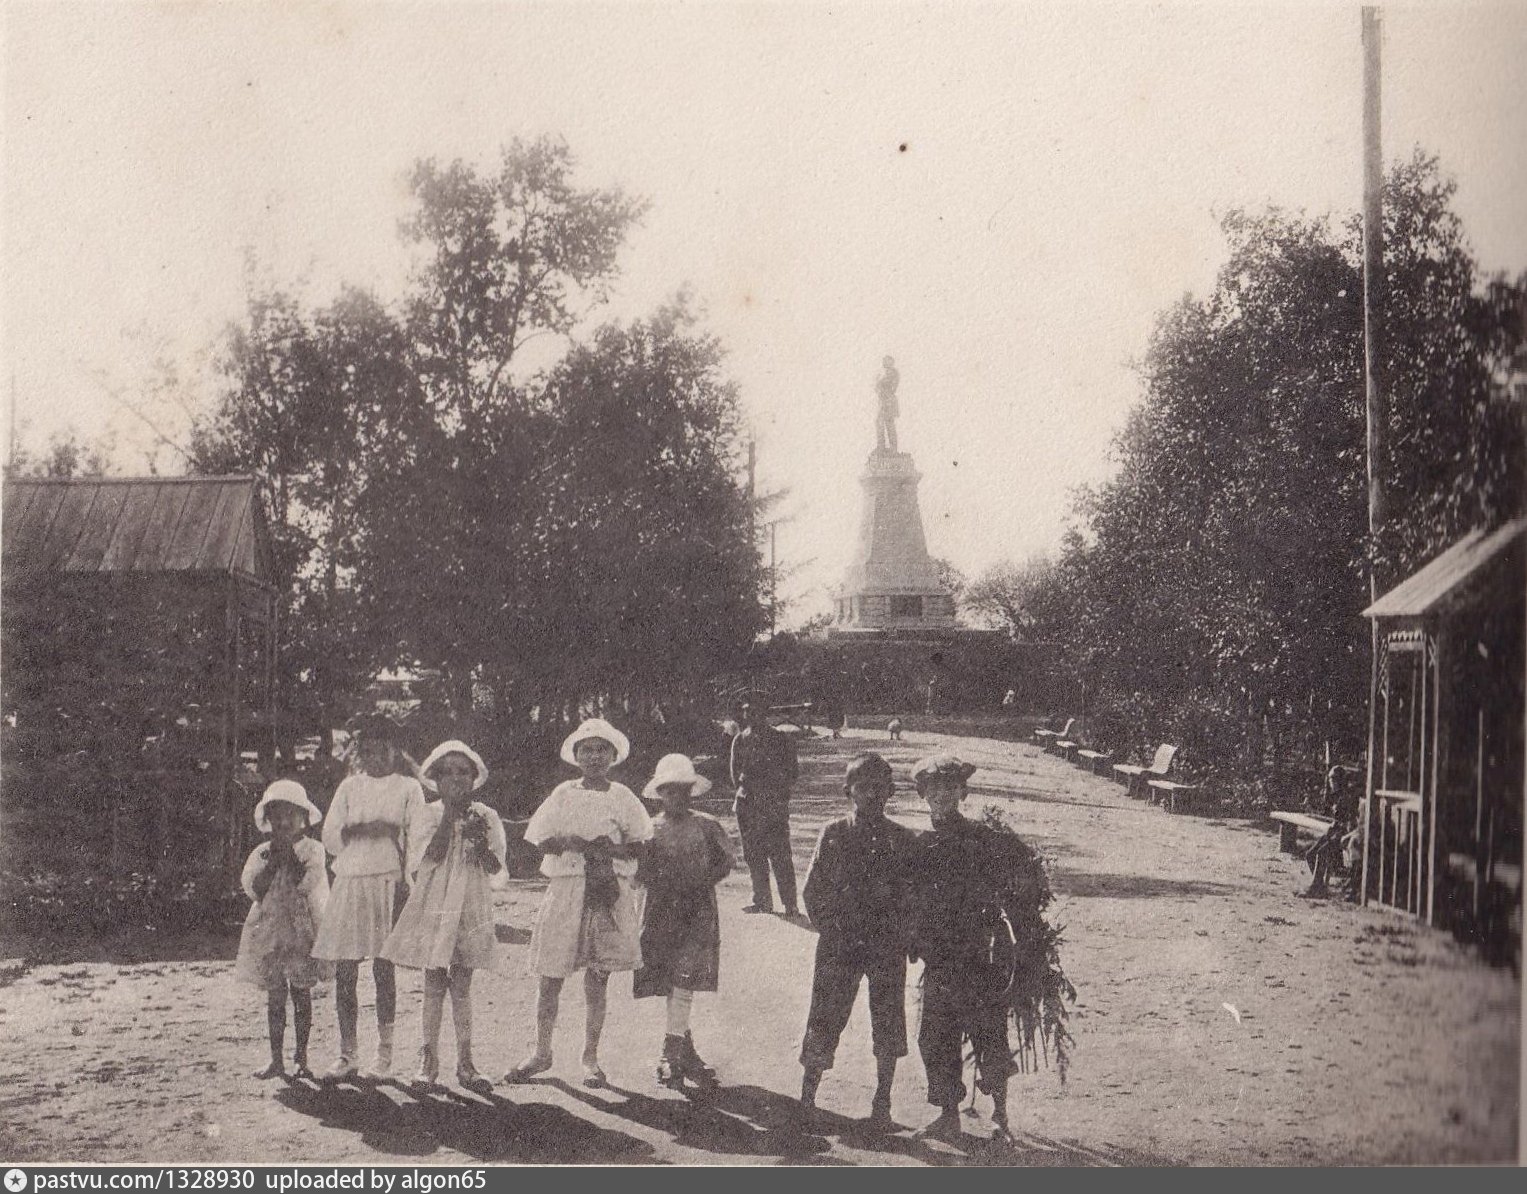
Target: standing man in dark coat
(763, 769)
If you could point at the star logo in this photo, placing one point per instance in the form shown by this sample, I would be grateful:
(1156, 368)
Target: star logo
(15, 1180)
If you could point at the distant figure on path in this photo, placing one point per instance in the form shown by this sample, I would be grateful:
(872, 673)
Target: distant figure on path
(1010, 698)
(890, 409)
(893, 728)
(1342, 804)
(763, 768)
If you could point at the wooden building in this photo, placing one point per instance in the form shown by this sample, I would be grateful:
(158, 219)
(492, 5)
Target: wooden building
(1443, 837)
(139, 624)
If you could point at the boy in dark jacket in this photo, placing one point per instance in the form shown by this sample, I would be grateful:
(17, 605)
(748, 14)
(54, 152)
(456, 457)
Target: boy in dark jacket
(963, 874)
(857, 895)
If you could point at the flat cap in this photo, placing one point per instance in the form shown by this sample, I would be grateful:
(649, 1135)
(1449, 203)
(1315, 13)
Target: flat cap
(943, 766)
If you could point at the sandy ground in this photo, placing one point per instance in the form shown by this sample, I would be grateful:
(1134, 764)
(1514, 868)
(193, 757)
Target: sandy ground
(1355, 1036)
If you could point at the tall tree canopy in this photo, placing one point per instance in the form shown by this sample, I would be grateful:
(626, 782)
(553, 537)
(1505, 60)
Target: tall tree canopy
(1222, 572)
(544, 536)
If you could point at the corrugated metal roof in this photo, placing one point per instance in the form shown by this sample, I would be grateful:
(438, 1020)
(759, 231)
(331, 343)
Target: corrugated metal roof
(1424, 590)
(135, 524)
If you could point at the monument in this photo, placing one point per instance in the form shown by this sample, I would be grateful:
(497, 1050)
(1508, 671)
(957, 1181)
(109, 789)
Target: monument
(892, 584)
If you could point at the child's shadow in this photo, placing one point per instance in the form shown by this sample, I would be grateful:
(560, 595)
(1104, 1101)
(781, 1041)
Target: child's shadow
(767, 1106)
(490, 1129)
(701, 1122)
(752, 1121)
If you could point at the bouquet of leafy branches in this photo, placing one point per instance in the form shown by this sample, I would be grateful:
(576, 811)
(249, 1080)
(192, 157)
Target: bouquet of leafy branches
(475, 831)
(1026, 947)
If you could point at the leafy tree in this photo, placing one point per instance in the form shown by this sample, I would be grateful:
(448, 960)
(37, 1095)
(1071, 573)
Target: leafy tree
(953, 580)
(646, 532)
(545, 539)
(309, 396)
(1221, 574)
(67, 455)
(506, 257)
(1006, 596)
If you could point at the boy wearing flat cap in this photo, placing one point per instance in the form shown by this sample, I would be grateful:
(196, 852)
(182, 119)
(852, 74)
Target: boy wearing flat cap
(963, 874)
(857, 894)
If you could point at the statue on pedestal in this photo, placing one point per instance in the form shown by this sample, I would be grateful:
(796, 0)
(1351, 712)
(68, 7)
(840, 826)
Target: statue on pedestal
(885, 418)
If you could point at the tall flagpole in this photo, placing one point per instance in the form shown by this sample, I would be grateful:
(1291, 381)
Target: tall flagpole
(1373, 368)
(1373, 282)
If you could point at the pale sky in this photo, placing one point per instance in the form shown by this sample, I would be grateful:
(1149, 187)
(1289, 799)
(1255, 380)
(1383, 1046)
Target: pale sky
(1063, 172)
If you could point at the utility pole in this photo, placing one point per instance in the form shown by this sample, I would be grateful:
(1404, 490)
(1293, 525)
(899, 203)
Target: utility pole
(1373, 374)
(773, 581)
(10, 460)
(1373, 286)
(752, 480)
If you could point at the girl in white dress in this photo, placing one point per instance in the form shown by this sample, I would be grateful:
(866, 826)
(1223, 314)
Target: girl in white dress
(456, 846)
(590, 832)
(366, 831)
(286, 880)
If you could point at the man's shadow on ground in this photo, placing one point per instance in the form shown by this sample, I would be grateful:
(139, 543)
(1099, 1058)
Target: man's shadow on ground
(754, 1122)
(491, 1129)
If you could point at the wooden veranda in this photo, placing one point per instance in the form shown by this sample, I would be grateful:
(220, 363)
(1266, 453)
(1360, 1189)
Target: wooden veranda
(1443, 826)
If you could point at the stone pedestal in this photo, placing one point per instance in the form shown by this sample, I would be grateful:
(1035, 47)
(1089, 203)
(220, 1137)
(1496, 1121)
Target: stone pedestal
(892, 583)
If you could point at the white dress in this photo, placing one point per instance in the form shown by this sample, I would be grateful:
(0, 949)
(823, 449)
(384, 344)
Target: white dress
(571, 934)
(368, 871)
(276, 944)
(448, 920)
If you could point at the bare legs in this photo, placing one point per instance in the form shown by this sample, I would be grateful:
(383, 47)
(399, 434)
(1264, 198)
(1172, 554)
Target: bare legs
(548, 999)
(302, 1023)
(595, 993)
(458, 981)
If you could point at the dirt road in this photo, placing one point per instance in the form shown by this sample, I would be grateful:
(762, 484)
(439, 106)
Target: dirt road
(1220, 1020)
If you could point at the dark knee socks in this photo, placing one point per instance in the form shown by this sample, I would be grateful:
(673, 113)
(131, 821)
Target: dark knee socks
(302, 1022)
(275, 1019)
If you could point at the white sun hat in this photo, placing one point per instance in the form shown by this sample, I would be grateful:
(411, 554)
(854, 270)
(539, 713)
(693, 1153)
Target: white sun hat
(454, 746)
(287, 791)
(596, 727)
(676, 769)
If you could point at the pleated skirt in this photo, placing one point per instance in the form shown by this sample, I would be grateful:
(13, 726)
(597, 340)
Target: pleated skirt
(358, 919)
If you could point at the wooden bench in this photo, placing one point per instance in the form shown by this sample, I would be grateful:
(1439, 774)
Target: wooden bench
(1174, 796)
(1290, 823)
(1095, 760)
(1066, 748)
(1045, 737)
(1135, 777)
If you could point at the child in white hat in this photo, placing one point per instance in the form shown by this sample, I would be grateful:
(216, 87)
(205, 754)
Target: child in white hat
(590, 832)
(286, 880)
(446, 929)
(681, 932)
(367, 834)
